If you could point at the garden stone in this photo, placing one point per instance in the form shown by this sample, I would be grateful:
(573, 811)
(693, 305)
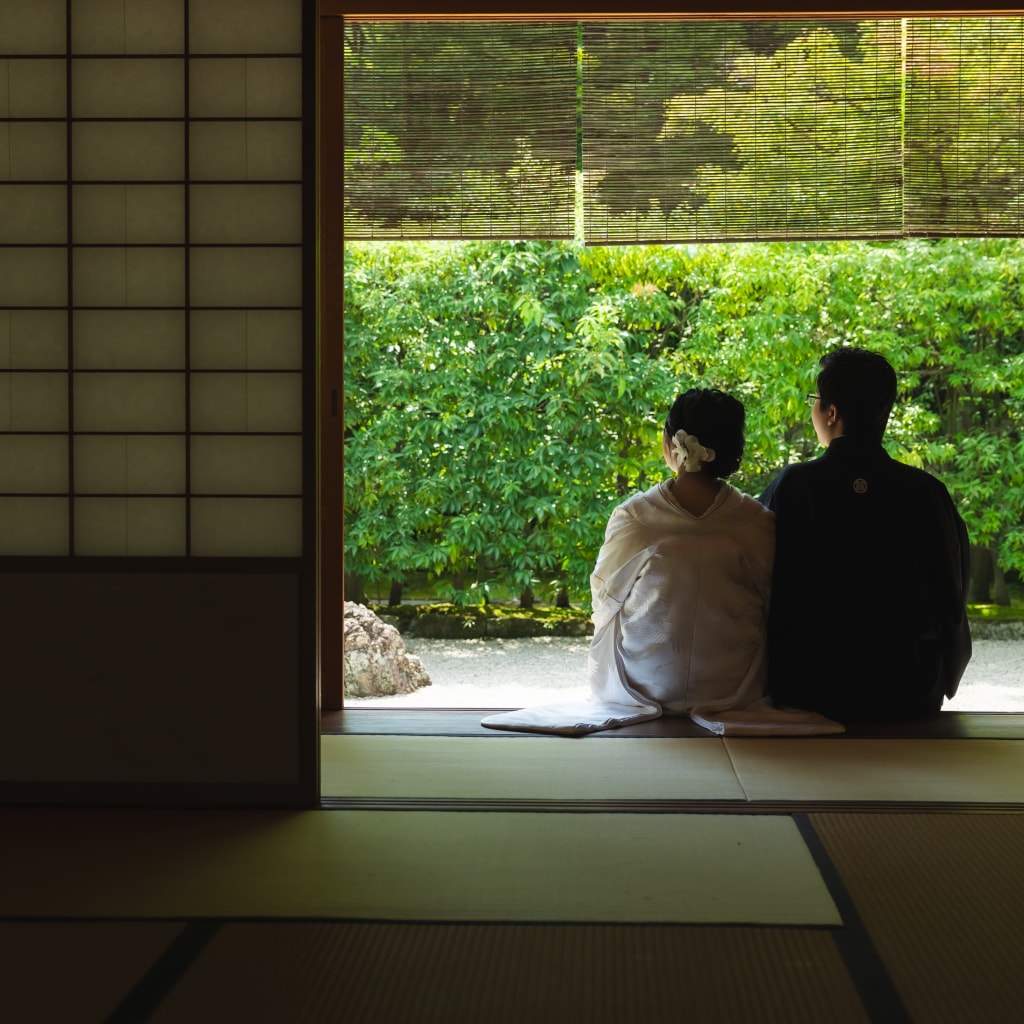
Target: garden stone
(375, 660)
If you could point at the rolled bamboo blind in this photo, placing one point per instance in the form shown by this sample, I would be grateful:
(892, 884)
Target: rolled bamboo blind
(460, 129)
(692, 131)
(964, 144)
(741, 130)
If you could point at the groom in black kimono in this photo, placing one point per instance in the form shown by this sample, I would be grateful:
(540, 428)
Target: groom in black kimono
(868, 617)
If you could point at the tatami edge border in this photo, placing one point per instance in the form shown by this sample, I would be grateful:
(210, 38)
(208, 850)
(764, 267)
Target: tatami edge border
(524, 806)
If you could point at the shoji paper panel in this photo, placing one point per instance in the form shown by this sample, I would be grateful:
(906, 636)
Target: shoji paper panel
(38, 526)
(246, 465)
(32, 26)
(129, 402)
(32, 88)
(34, 463)
(246, 151)
(151, 277)
(245, 277)
(246, 213)
(130, 339)
(130, 526)
(127, 214)
(245, 26)
(128, 151)
(32, 151)
(130, 464)
(242, 402)
(33, 214)
(33, 402)
(128, 88)
(268, 87)
(253, 276)
(129, 277)
(255, 340)
(33, 277)
(33, 339)
(240, 526)
(139, 26)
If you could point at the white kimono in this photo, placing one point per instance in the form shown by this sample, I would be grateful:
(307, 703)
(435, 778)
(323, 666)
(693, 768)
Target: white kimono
(680, 603)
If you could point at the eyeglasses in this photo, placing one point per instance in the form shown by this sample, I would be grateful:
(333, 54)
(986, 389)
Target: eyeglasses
(811, 399)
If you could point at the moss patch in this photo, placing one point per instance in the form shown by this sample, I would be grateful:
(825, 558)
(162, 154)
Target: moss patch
(449, 621)
(996, 612)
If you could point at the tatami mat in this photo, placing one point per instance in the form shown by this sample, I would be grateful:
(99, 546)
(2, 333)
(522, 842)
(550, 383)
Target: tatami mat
(410, 865)
(943, 901)
(955, 771)
(538, 768)
(371, 973)
(74, 971)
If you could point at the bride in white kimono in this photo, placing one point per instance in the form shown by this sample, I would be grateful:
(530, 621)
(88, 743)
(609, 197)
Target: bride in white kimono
(680, 595)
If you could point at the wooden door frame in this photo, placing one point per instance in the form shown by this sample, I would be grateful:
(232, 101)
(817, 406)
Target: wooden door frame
(330, 245)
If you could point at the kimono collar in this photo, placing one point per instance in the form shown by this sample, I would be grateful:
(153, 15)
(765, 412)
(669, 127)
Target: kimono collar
(845, 447)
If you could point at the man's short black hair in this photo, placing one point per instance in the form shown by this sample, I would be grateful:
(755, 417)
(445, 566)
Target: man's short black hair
(717, 420)
(862, 387)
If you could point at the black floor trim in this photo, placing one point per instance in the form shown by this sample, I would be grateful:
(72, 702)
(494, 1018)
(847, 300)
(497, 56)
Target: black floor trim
(878, 993)
(638, 805)
(143, 1000)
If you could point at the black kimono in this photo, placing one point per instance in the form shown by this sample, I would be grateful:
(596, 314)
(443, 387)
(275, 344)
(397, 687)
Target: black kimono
(868, 618)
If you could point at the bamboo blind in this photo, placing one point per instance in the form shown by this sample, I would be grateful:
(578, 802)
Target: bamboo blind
(460, 129)
(696, 130)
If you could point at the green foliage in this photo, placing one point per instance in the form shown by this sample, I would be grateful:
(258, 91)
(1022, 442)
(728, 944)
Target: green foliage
(501, 399)
(495, 414)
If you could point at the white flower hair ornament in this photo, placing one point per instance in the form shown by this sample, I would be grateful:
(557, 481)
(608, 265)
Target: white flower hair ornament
(689, 452)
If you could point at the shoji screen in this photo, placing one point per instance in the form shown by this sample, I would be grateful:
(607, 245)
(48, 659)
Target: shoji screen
(151, 277)
(157, 383)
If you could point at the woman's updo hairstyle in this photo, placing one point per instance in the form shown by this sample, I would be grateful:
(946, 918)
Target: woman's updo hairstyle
(716, 420)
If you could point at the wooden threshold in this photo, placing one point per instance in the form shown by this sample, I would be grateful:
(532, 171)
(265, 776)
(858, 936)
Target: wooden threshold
(946, 725)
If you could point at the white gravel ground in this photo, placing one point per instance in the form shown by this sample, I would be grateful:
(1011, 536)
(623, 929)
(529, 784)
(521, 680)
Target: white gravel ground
(514, 673)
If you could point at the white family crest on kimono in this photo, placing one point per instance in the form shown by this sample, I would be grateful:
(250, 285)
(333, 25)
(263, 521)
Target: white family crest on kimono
(680, 603)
